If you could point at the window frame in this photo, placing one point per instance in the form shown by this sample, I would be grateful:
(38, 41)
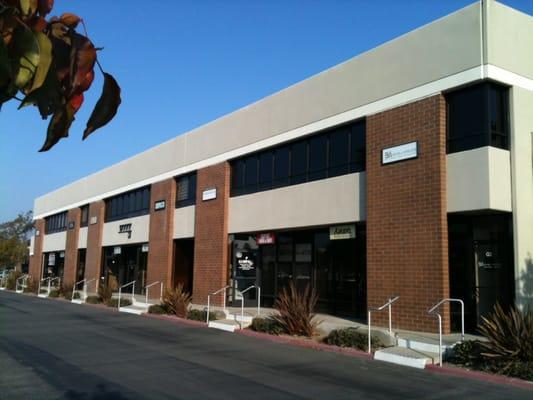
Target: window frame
(120, 206)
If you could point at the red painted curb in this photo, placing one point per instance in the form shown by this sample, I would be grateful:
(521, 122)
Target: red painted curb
(480, 375)
(175, 319)
(306, 343)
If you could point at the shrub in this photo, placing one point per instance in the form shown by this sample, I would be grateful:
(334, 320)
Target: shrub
(467, 354)
(105, 291)
(352, 337)
(11, 281)
(93, 300)
(54, 293)
(76, 295)
(266, 325)
(157, 309)
(295, 310)
(43, 291)
(201, 315)
(113, 302)
(177, 301)
(32, 286)
(66, 290)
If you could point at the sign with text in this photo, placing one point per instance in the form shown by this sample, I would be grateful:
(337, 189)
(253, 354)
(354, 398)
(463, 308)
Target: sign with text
(145, 248)
(265, 238)
(401, 152)
(125, 228)
(209, 194)
(342, 232)
(160, 205)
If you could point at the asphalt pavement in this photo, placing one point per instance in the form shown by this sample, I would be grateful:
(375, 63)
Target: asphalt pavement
(58, 350)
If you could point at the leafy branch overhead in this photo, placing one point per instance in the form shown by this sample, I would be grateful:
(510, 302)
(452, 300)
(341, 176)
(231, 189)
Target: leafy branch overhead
(48, 64)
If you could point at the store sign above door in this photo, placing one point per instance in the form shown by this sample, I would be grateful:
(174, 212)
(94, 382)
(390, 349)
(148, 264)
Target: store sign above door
(342, 232)
(265, 238)
(125, 228)
(398, 153)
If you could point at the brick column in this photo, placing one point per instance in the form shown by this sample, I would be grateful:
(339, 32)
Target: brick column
(211, 233)
(71, 248)
(35, 267)
(93, 258)
(407, 233)
(160, 265)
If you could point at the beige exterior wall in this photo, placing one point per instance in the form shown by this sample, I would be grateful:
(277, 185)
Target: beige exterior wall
(184, 222)
(325, 202)
(437, 51)
(82, 238)
(54, 241)
(479, 179)
(522, 173)
(139, 227)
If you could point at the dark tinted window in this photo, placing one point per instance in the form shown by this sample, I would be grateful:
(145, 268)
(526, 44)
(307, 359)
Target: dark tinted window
(318, 157)
(477, 117)
(339, 151)
(281, 167)
(186, 190)
(358, 147)
(298, 162)
(127, 205)
(250, 173)
(84, 215)
(56, 223)
(265, 170)
(237, 177)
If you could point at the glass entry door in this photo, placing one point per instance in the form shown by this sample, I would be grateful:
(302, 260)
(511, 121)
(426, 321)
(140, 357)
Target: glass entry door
(245, 271)
(125, 264)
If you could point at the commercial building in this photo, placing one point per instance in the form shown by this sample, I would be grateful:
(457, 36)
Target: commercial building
(406, 170)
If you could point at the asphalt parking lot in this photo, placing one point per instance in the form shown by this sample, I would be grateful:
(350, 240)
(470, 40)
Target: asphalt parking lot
(57, 350)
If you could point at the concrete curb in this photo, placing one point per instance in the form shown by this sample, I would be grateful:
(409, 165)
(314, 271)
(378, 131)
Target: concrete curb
(176, 320)
(480, 376)
(306, 343)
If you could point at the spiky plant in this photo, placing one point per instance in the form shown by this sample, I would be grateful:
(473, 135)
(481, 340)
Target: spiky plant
(32, 285)
(177, 301)
(510, 337)
(105, 291)
(296, 310)
(66, 290)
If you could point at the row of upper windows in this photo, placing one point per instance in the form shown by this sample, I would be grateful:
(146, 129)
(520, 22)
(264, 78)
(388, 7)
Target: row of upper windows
(477, 116)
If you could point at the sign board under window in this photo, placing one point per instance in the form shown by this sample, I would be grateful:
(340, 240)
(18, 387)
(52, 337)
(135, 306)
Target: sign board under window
(265, 238)
(94, 220)
(209, 194)
(159, 205)
(401, 152)
(52, 259)
(145, 247)
(117, 250)
(340, 232)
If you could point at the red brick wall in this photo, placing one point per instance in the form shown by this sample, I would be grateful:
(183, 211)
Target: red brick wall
(93, 258)
(161, 233)
(71, 249)
(211, 233)
(407, 238)
(36, 260)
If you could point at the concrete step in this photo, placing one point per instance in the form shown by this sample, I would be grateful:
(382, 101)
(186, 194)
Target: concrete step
(424, 344)
(246, 318)
(224, 325)
(43, 295)
(77, 301)
(133, 309)
(407, 357)
(19, 290)
(2, 288)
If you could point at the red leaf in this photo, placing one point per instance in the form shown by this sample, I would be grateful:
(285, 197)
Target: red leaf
(58, 127)
(82, 60)
(76, 101)
(87, 81)
(70, 20)
(44, 7)
(106, 107)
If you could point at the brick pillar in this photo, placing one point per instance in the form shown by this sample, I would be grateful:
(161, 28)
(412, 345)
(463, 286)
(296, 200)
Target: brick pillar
(407, 233)
(35, 267)
(95, 230)
(211, 233)
(160, 266)
(71, 248)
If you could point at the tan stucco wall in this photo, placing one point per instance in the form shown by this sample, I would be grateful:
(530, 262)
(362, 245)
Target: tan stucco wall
(325, 202)
(82, 238)
(479, 179)
(139, 226)
(184, 222)
(522, 175)
(54, 241)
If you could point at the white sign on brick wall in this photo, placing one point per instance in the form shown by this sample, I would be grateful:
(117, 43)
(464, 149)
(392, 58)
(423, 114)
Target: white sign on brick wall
(399, 153)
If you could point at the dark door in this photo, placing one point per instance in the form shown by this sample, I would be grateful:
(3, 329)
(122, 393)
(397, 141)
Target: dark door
(80, 270)
(245, 271)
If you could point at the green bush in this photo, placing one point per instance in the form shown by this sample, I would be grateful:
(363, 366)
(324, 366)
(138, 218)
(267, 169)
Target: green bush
(113, 302)
(32, 285)
(467, 354)
(11, 281)
(266, 325)
(54, 293)
(201, 315)
(76, 295)
(43, 291)
(66, 290)
(93, 300)
(352, 337)
(157, 309)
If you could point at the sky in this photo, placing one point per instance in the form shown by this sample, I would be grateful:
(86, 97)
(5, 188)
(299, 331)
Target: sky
(181, 64)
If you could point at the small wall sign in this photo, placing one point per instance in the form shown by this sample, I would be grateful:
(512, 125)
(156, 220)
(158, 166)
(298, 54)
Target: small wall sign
(265, 238)
(117, 250)
(71, 225)
(94, 220)
(125, 228)
(209, 194)
(401, 152)
(37, 232)
(342, 232)
(145, 247)
(160, 205)
(62, 254)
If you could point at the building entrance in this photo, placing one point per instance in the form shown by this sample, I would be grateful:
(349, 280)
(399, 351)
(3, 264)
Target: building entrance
(53, 264)
(124, 264)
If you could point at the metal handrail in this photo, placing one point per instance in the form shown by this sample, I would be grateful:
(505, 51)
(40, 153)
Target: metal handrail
(40, 284)
(223, 300)
(120, 291)
(75, 286)
(388, 304)
(23, 285)
(149, 286)
(433, 309)
(258, 301)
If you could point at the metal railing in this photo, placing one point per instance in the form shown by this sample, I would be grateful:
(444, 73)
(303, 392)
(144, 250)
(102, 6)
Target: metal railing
(58, 279)
(432, 311)
(132, 292)
(24, 284)
(152, 284)
(258, 301)
(85, 283)
(388, 304)
(223, 300)
(41, 284)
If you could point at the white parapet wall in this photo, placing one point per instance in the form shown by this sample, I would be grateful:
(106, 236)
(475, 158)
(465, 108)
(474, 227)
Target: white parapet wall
(140, 228)
(54, 241)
